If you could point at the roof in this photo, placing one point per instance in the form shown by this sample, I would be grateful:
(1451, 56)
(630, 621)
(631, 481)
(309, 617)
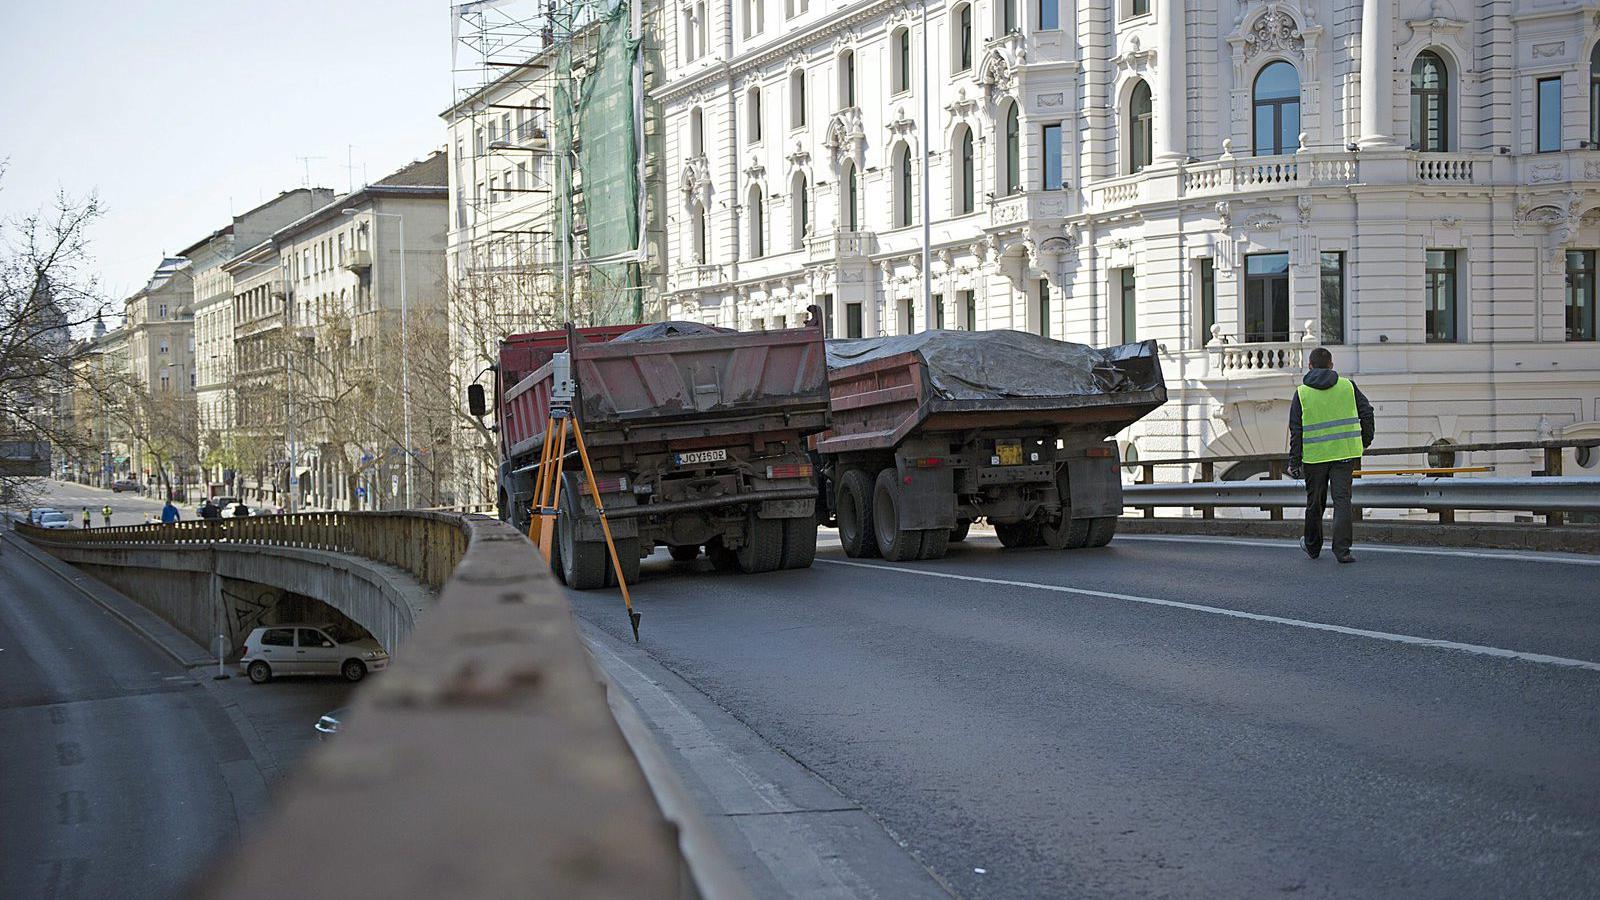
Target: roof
(428, 177)
(429, 172)
(220, 232)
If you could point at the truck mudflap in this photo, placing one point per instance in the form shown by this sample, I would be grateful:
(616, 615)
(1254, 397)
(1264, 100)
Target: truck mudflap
(1094, 487)
(927, 486)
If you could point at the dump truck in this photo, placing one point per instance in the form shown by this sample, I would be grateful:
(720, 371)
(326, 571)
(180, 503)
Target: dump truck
(935, 430)
(697, 436)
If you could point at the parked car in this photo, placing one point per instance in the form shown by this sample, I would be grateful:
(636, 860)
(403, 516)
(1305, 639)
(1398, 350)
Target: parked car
(35, 514)
(220, 503)
(124, 484)
(302, 649)
(232, 509)
(54, 520)
(329, 724)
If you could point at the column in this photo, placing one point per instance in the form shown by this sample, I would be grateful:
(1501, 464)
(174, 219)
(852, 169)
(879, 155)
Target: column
(1172, 128)
(1377, 73)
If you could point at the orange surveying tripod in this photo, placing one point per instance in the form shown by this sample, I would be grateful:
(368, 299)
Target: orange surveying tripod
(546, 505)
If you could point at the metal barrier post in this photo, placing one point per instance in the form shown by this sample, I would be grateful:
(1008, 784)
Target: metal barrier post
(1552, 469)
(1147, 475)
(1274, 472)
(1208, 472)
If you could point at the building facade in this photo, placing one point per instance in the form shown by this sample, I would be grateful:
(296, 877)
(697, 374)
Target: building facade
(1414, 183)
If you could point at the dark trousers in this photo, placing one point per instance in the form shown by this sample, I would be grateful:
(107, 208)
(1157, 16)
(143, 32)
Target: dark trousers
(1323, 479)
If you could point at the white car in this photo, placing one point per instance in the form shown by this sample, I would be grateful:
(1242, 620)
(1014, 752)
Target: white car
(301, 649)
(54, 520)
(38, 512)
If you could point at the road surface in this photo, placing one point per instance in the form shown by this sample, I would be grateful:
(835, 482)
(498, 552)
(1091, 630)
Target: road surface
(71, 498)
(121, 773)
(1174, 717)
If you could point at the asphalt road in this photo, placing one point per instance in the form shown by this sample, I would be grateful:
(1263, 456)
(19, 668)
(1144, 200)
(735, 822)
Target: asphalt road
(1174, 717)
(121, 773)
(127, 508)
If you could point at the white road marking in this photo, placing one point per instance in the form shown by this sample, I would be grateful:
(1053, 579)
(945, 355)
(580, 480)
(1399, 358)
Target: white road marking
(1372, 548)
(1435, 643)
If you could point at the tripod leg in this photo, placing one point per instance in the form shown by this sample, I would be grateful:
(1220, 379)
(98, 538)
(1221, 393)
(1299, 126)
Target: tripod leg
(605, 526)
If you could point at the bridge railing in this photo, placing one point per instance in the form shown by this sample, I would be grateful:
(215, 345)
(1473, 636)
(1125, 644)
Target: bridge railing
(1444, 493)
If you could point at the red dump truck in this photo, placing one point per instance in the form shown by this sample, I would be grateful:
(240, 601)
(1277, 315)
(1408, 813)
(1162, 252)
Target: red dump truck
(697, 436)
(934, 430)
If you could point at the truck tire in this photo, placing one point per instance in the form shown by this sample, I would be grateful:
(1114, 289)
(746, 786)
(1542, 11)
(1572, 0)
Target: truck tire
(1013, 535)
(684, 552)
(583, 563)
(935, 543)
(763, 546)
(1056, 535)
(1101, 531)
(854, 511)
(894, 543)
(722, 559)
(799, 542)
(959, 533)
(628, 556)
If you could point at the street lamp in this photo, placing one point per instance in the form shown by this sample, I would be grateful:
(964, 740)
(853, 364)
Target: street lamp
(405, 345)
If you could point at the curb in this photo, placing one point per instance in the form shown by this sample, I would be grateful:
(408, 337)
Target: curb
(1563, 539)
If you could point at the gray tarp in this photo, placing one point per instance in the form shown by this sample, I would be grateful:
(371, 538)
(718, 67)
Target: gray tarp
(987, 365)
(670, 329)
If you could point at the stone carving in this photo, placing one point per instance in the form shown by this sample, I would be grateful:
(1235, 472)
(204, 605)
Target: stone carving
(1264, 221)
(1050, 100)
(962, 106)
(1225, 213)
(1591, 170)
(1542, 172)
(1550, 50)
(1303, 204)
(1134, 58)
(1274, 32)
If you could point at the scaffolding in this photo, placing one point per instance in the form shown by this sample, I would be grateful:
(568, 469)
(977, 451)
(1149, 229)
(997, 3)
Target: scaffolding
(589, 62)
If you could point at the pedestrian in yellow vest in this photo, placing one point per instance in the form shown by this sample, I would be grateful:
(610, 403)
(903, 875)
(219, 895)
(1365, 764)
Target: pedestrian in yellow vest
(1330, 423)
(106, 512)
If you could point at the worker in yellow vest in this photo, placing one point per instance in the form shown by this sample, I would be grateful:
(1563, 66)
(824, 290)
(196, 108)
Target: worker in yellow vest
(1330, 423)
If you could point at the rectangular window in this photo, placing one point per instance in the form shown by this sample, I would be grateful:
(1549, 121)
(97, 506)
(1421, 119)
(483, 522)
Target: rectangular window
(522, 175)
(1332, 296)
(852, 320)
(969, 307)
(1441, 295)
(1052, 157)
(938, 310)
(1549, 111)
(1208, 298)
(826, 302)
(1580, 295)
(908, 322)
(1129, 307)
(1139, 7)
(1266, 297)
(1044, 307)
(1049, 14)
(758, 324)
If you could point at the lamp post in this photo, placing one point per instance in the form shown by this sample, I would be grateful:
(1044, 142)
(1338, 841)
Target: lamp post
(405, 345)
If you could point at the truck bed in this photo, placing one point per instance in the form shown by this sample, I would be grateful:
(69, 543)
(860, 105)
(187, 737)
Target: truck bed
(891, 390)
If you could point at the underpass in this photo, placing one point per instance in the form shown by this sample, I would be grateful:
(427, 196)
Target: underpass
(1165, 717)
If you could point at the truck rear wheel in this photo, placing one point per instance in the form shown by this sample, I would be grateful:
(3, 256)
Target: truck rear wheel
(935, 543)
(1066, 534)
(853, 507)
(959, 533)
(722, 559)
(763, 546)
(628, 556)
(684, 552)
(799, 542)
(1101, 531)
(894, 542)
(583, 563)
(1017, 534)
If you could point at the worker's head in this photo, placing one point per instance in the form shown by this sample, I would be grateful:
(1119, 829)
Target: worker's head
(1321, 358)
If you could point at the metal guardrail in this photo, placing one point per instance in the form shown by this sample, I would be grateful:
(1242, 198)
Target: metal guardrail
(1504, 494)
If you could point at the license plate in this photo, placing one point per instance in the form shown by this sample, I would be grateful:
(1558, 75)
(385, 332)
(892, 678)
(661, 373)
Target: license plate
(1009, 452)
(696, 457)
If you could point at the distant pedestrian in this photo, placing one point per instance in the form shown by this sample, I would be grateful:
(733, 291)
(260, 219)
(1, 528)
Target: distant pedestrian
(105, 513)
(1330, 424)
(208, 510)
(169, 514)
(86, 519)
(241, 511)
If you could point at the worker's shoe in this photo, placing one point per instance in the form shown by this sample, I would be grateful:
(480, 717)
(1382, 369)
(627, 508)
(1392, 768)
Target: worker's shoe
(1311, 551)
(1344, 557)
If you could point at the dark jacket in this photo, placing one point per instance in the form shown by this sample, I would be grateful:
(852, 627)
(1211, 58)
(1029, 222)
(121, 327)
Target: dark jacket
(169, 513)
(1322, 379)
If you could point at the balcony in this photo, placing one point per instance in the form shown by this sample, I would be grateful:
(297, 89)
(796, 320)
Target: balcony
(1557, 168)
(695, 277)
(1028, 206)
(358, 260)
(841, 245)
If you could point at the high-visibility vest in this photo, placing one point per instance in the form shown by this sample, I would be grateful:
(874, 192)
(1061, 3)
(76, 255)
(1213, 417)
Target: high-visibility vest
(1329, 427)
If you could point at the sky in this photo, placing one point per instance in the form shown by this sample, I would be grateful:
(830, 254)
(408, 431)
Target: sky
(182, 113)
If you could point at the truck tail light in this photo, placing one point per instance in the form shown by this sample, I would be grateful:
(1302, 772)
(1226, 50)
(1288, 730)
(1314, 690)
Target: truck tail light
(614, 485)
(1100, 452)
(930, 462)
(792, 470)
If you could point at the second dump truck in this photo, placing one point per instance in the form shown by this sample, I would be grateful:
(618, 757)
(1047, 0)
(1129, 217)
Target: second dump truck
(697, 436)
(932, 431)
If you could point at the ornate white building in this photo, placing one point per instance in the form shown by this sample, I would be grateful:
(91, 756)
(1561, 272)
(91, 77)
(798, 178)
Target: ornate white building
(1412, 182)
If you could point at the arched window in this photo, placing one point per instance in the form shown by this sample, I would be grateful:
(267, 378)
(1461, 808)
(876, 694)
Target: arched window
(697, 133)
(1011, 177)
(1277, 109)
(800, 201)
(847, 79)
(900, 74)
(847, 184)
(1141, 128)
(902, 187)
(758, 224)
(1430, 104)
(797, 98)
(963, 48)
(964, 171)
(753, 108)
(697, 229)
(1594, 97)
